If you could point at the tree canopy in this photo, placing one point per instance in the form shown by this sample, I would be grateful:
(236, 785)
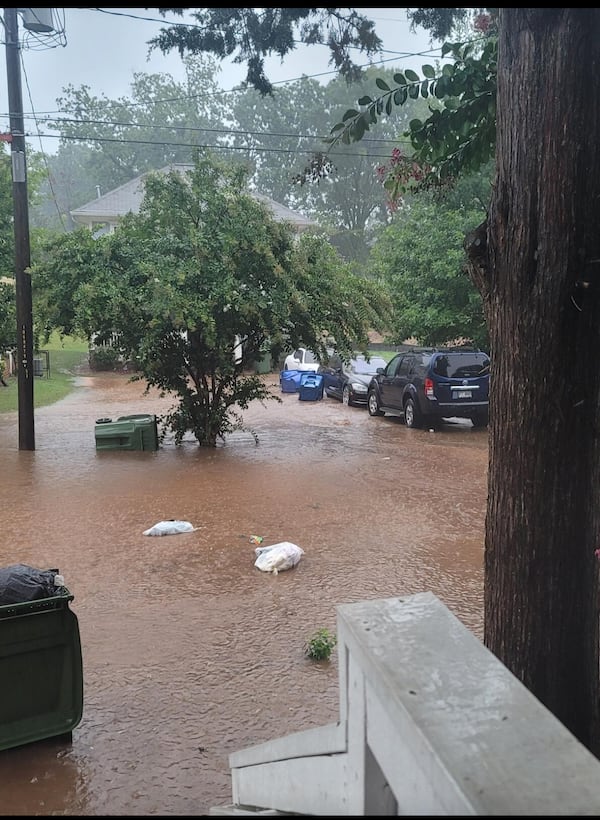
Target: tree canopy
(420, 256)
(249, 35)
(351, 201)
(105, 143)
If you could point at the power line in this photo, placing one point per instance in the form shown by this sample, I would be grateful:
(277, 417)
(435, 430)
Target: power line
(193, 128)
(237, 89)
(207, 146)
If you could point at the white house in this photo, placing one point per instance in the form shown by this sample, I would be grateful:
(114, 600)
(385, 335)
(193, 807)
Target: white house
(103, 214)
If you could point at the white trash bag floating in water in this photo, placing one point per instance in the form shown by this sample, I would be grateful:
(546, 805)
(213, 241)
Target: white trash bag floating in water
(171, 527)
(278, 557)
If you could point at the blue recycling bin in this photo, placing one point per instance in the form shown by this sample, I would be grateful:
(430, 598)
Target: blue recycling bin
(311, 387)
(289, 380)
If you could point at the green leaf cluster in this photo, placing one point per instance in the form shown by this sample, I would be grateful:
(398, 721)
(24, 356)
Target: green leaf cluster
(459, 135)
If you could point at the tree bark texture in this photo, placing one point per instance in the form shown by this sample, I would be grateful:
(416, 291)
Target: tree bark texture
(537, 263)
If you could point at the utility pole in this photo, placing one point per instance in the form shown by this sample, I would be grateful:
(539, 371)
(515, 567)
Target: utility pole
(21, 232)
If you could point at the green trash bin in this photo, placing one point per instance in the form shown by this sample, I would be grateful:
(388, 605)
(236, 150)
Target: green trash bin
(41, 670)
(264, 365)
(148, 427)
(136, 432)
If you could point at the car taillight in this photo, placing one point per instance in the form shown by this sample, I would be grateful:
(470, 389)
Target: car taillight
(429, 389)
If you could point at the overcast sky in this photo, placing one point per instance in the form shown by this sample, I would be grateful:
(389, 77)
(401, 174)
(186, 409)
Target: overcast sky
(103, 48)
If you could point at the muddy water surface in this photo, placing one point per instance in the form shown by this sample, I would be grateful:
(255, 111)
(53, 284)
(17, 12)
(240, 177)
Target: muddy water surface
(189, 651)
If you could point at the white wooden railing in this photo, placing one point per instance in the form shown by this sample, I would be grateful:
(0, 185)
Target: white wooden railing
(430, 723)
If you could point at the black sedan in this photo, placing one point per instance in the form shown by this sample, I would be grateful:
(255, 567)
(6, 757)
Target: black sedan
(349, 382)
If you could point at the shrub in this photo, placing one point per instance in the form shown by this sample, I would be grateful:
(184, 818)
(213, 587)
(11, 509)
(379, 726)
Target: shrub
(320, 646)
(104, 358)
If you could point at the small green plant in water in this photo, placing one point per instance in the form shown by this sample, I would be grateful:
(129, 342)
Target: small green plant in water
(320, 646)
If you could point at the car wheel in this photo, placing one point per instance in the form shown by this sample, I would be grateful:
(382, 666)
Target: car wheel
(373, 404)
(346, 396)
(412, 416)
(480, 421)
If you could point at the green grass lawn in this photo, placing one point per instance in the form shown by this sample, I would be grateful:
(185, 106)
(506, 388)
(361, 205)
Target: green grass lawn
(65, 355)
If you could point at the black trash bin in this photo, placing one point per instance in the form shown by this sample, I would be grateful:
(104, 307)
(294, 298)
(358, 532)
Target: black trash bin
(41, 670)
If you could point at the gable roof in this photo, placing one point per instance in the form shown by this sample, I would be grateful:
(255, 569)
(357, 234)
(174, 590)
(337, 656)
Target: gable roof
(110, 207)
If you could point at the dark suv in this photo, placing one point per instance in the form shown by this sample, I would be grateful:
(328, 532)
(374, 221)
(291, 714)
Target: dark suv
(427, 385)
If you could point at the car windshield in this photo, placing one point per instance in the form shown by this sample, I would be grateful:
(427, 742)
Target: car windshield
(309, 357)
(362, 367)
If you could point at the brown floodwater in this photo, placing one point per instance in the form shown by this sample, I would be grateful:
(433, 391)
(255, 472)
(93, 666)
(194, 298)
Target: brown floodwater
(189, 651)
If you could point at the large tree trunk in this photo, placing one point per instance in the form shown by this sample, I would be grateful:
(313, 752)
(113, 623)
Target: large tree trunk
(538, 265)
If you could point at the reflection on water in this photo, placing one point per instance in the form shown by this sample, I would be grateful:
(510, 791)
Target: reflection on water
(189, 651)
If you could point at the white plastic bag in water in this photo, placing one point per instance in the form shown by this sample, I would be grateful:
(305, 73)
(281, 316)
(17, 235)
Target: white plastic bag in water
(278, 557)
(171, 527)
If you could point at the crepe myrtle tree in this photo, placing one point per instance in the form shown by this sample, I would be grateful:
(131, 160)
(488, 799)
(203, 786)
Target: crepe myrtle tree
(202, 267)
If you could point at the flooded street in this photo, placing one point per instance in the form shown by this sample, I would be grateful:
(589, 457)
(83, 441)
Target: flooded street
(189, 651)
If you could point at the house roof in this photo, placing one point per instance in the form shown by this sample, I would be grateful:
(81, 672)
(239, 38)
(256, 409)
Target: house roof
(110, 207)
